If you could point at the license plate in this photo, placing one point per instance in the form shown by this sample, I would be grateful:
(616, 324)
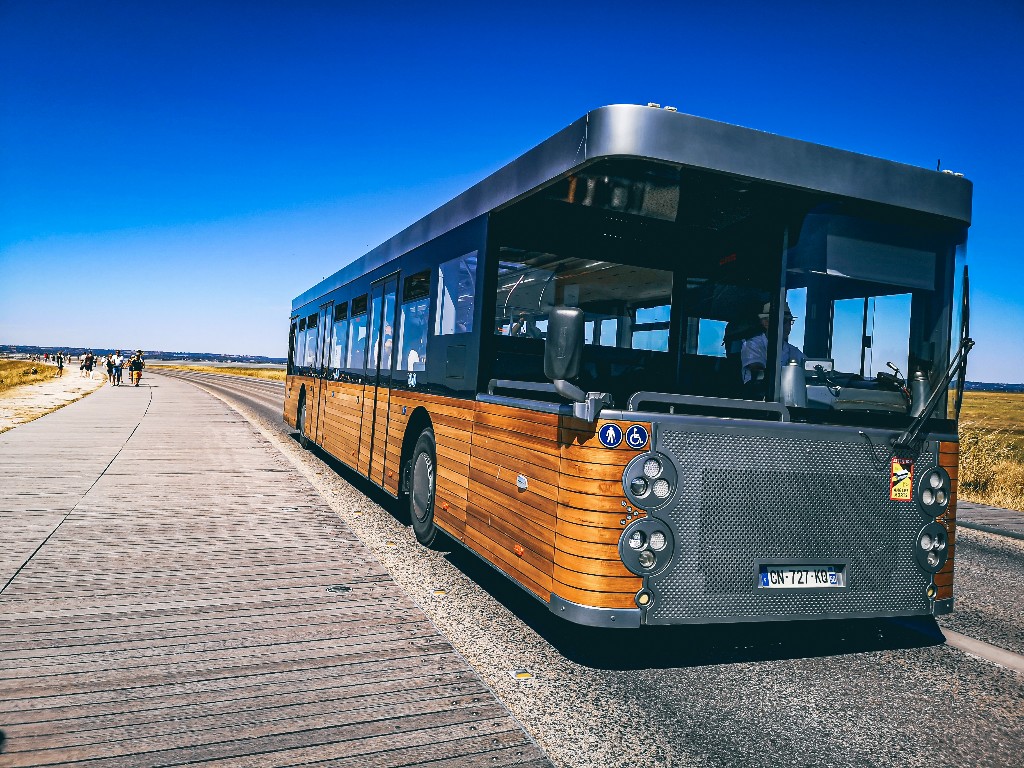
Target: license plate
(802, 577)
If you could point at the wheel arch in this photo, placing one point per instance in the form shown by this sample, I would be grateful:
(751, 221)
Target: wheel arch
(418, 421)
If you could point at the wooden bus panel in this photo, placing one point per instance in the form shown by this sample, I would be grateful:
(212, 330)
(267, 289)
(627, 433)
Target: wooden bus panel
(507, 538)
(612, 567)
(505, 483)
(529, 577)
(365, 430)
(518, 522)
(530, 523)
(949, 459)
(592, 513)
(597, 599)
(513, 451)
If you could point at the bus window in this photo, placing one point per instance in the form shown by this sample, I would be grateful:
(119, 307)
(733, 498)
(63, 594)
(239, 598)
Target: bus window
(854, 312)
(711, 337)
(412, 338)
(339, 337)
(456, 287)
(371, 355)
(356, 355)
(650, 328)
(311, 328)
(869, 332)
(387, 342)
(624, 306)
(300, 344)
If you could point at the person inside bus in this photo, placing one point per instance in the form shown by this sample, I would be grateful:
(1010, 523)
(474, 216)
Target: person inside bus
(754, 354)
(417, 359)
(524, 327)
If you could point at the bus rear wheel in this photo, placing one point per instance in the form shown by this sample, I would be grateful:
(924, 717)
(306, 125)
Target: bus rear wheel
(300, 422)
(423, 486)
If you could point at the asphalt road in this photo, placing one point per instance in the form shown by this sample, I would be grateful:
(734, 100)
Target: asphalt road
(885, 693)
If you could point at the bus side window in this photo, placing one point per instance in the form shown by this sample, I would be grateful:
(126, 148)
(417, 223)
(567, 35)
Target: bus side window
(300, 344)
(339, 337)
(311, 323)
(356, 356)
(412, 339)
(456, 288)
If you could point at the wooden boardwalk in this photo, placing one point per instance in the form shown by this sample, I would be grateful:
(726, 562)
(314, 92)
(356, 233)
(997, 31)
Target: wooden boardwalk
(167, 603)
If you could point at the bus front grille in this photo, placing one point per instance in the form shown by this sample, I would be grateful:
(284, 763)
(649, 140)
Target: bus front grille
(751, 498)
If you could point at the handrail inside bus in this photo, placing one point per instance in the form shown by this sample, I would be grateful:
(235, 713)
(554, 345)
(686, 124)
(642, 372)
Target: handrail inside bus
(713, 403)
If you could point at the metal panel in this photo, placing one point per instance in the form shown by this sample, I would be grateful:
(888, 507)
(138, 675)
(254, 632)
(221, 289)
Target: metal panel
(754, 496)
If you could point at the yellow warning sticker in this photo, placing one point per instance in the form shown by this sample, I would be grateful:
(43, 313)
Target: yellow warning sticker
(901, 480)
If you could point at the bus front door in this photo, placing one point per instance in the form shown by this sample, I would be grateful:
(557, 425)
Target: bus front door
(323, 361)
(377, 390)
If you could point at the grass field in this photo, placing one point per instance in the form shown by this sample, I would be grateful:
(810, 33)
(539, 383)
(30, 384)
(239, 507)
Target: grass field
(274, 374)
(14, 373)
(992, 449)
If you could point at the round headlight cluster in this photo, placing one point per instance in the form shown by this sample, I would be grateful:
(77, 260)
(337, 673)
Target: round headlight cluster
(932, 545)
(646, 546)
(933, 491)
(649, 480)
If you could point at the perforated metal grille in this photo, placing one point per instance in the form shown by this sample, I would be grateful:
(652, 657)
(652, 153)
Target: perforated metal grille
(749, 498)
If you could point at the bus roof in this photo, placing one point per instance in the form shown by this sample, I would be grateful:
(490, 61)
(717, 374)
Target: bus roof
(631, 131)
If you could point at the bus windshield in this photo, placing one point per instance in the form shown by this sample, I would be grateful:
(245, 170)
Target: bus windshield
(866, 301)
(686, 297)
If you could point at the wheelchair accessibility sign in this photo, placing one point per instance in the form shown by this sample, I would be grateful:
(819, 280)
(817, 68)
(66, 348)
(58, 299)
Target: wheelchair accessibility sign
(636, 436)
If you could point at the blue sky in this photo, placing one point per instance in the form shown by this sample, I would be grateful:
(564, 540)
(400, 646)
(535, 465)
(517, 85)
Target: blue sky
(172, 174)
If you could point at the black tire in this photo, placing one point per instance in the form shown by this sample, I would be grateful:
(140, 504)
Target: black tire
(422, 488)
(300, 422)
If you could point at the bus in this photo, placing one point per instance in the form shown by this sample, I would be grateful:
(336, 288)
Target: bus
(663, 370)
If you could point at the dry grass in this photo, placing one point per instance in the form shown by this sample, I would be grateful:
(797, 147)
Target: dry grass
(992, 449)
(274, 374)
(15, 373)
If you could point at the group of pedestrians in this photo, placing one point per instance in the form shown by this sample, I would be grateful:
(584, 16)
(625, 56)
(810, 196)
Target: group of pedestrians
(115, 364)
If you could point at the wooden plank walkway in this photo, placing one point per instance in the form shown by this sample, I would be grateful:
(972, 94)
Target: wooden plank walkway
(166, 603)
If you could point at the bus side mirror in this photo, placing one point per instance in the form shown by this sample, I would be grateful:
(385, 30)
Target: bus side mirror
(563, 348)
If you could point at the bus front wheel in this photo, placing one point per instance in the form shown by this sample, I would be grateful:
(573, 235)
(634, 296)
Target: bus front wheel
(423, 488)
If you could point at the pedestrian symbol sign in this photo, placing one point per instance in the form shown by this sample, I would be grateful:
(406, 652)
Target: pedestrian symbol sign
(610, 435)
(636, 436)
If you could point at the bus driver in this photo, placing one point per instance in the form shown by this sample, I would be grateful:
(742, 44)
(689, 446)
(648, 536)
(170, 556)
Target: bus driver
(754, 353)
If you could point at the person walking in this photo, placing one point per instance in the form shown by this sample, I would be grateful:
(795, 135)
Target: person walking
(135, 366)
(110, 368)
(90, 360)
(118, 367)
(60, 364)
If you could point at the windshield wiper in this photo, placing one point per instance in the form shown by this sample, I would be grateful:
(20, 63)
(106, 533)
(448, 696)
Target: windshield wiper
(957, 366)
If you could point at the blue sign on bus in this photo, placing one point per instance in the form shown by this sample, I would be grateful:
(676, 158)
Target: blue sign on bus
(636, 436)
(610, 435)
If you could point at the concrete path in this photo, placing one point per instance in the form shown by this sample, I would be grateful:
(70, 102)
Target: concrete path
(982, 517)
(174, 591)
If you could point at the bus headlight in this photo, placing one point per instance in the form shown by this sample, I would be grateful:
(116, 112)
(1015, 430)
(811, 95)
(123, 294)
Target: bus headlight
(933, 491)
(652, 468)
(649, 480)
(931, 549)
(646, 547)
